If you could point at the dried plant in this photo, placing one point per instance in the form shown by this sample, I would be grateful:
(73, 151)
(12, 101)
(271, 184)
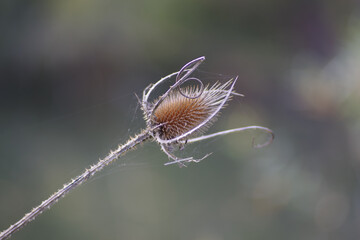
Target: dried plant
(178, 117)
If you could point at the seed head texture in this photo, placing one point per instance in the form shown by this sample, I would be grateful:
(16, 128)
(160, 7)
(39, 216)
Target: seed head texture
(178, 114)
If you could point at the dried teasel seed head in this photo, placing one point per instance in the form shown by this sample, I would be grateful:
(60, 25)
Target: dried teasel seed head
(179, 114)
(183, 110)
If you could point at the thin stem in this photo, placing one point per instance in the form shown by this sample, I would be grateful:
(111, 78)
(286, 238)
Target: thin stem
(86, 175)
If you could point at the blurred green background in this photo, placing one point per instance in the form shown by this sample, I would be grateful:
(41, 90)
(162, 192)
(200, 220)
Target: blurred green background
(68, 74)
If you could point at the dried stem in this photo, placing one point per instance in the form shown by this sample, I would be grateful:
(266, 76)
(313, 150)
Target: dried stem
(86, 175)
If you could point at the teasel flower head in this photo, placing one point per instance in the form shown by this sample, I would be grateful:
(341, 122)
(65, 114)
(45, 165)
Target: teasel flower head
(179, 113)
(182, 114)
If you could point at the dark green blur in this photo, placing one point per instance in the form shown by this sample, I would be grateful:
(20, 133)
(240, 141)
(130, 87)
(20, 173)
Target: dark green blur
(68, 73)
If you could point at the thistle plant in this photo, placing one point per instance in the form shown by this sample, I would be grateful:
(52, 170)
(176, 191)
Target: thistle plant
(178, 117)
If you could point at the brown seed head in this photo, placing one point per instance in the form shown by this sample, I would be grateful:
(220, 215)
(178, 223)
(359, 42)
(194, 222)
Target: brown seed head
(177, 114)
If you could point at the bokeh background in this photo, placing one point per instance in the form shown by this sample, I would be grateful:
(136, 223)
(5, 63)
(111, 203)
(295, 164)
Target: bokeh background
(68, 74)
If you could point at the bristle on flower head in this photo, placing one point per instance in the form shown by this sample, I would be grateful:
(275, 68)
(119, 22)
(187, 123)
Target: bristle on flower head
(182, 111)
